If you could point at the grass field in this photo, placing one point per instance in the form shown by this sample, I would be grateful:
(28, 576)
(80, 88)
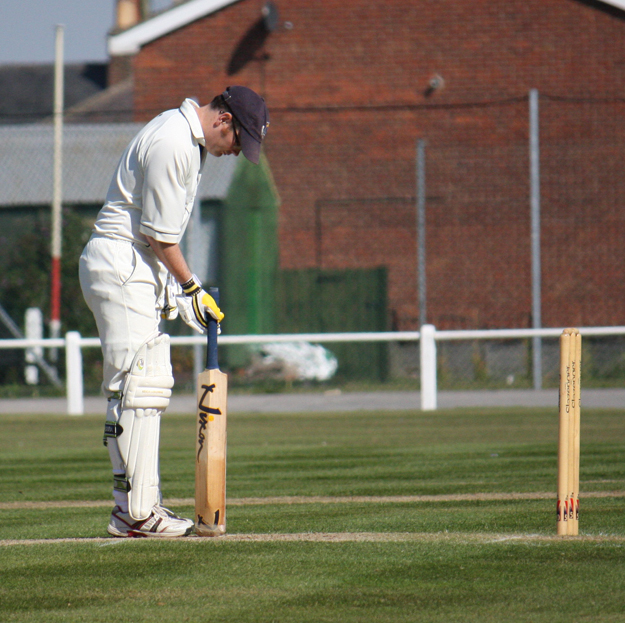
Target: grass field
(342, 517)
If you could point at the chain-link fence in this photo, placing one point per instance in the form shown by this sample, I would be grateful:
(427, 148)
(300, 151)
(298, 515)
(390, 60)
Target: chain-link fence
(358, 210)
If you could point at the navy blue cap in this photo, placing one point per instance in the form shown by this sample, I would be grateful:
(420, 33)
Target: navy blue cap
(250, 111)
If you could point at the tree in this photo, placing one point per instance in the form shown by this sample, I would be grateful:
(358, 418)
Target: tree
(25, 265)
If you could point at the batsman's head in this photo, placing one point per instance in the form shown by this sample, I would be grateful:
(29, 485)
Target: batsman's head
(250, 111)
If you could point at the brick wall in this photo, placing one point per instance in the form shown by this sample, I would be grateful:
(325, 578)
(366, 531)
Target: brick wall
(347, 82)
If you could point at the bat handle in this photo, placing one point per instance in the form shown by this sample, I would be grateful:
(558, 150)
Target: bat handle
(212, 361)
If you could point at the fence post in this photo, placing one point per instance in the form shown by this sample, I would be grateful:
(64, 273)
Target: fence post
(428, 367)
(421, 266)
(73, 374)
(34, 331)
(535, 236)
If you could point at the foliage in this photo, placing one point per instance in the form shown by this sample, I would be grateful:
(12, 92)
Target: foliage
(25, 274)
(25, 268)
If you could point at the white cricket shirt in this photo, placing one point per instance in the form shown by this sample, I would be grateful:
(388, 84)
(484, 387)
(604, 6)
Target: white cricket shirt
(154, 186)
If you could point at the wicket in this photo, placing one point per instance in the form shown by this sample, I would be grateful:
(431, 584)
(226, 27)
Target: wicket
(569, 433)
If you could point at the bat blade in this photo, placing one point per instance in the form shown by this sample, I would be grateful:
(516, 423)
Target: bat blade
(210, 458)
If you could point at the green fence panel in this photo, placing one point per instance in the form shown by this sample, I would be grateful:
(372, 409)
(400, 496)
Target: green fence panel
(338, 301)
(248, 255)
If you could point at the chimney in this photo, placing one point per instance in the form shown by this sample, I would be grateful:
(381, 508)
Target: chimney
(128, 13)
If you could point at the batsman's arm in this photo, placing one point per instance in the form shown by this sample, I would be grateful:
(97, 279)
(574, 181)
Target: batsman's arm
(171, 255)
(200, 301)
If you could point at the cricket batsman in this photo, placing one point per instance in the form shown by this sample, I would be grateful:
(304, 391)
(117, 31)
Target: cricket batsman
(133, 273)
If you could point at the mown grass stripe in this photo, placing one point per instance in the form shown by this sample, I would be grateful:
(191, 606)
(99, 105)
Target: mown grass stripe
(337, 537)
(302, 499)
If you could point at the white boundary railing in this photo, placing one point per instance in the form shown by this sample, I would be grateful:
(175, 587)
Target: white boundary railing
(428, 337)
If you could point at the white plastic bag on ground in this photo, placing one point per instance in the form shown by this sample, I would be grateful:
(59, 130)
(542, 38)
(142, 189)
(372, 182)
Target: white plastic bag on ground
(308, 362)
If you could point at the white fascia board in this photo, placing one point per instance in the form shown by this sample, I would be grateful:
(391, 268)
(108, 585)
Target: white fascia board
(617, 3)
(131, 40)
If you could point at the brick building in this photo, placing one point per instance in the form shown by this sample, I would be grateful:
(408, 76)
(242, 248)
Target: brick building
(352, 85)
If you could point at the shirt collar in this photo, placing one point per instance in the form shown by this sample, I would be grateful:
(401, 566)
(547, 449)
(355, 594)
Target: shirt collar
(188, 109)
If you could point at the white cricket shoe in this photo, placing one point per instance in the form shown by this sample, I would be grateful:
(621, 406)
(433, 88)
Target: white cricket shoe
(161, 523)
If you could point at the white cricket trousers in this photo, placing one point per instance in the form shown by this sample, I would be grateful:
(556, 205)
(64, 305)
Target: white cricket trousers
(123, 285)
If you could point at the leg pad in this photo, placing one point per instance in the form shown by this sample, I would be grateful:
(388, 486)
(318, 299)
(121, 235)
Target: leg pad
(132, 429)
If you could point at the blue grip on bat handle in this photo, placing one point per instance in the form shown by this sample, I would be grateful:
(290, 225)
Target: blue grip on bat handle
(212, 361)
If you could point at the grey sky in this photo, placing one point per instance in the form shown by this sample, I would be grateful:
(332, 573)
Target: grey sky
(27, 29)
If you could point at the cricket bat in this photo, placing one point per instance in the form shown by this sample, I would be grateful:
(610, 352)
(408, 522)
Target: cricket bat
(210, 446)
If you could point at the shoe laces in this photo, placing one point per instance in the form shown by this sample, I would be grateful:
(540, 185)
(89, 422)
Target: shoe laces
(161, 511)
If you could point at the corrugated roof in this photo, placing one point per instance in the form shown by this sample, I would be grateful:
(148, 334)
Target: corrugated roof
(90, 154)
(28, 90)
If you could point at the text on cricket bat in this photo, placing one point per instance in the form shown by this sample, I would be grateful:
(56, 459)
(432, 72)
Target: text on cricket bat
(204, 414)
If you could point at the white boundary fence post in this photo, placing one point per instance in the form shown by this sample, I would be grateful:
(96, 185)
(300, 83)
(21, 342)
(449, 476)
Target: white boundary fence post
(34, 331)
(428, 336)
(73, 374)
(428, 368)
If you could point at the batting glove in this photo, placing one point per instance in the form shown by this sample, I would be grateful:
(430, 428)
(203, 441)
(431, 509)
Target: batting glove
(201, 302)
(172, 291)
